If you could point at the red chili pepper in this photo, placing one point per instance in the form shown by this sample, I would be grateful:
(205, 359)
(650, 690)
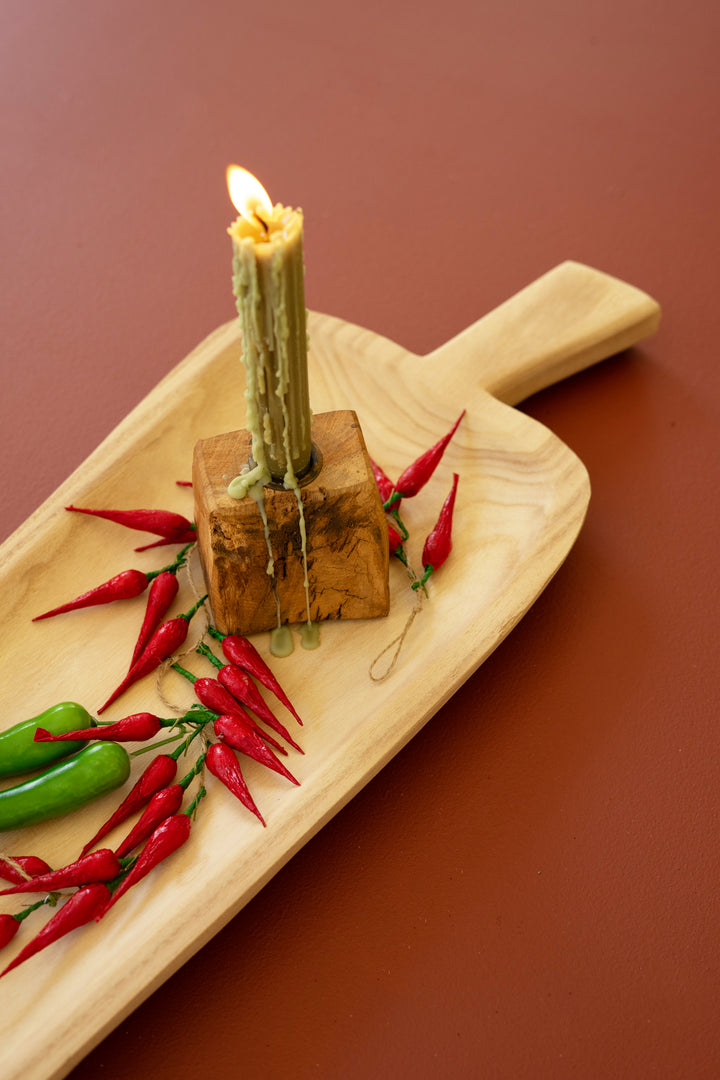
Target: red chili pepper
(159, 773)
(222, 763)
(241, 736)
(242, 652)
(188, 537)
(18, 868)
(384, 483)
(439, 542)
(167, 838)
(219, 700)
(394, 538)
(135, 728)
(82, 907)
(216, 697)
(162, 592)
(166, 640)
(123, 586)
(163, 805)
(419, 472)
(173, 528)
(396, 544)
(102, 865)
(9, 927)
(241, 686)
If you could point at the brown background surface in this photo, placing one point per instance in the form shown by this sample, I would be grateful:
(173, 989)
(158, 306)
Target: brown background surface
(528, 890)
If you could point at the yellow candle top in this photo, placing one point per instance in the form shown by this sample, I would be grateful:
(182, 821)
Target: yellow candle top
(281, 225)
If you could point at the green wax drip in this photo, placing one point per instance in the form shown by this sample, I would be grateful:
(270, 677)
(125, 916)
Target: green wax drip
(281, 641)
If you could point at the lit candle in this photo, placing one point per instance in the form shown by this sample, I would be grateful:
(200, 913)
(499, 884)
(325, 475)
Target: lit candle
(269, 291)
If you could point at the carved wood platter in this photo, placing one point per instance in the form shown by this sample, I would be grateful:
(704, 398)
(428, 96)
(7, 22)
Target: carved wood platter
(521, 501)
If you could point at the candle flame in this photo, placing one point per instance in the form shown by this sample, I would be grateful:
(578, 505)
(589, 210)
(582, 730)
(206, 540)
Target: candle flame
(248, 195)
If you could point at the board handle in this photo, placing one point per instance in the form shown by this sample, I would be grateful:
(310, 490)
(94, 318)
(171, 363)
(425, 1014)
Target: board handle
(566, 320)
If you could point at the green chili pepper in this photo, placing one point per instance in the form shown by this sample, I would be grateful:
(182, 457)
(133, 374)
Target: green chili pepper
(99, 768)
(19, 754)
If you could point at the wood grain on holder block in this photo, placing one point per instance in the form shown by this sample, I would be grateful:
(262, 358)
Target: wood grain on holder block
(347, 541)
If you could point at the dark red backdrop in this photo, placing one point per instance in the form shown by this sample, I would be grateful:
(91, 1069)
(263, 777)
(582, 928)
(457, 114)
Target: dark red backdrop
(529, 889)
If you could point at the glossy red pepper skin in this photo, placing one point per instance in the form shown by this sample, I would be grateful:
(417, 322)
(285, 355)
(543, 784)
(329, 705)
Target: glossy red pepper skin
(81, 908)
(412, 479)
(238, 650)
(135, 728)
(162, 592)
(241, 736)
(171, 527)
(166, 839)
(241, 686)
(19, 868)
(384, 484)
(159, 774)
(102, 865)
(9, 927)
(222, 763)
(124, 586)
(396, 544)
(166, 640)
(439, 542)
(162, 805)
(187, 537)
(218, 699)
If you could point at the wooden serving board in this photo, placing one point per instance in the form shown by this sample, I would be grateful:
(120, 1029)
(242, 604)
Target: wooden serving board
(521, 501)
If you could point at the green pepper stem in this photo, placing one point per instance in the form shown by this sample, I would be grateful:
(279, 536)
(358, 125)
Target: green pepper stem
(396, 497)
(189, 614)
(192, 808)
(421, 583)
(185, 746)
(401, 556)
(183, 671)
(47, 901)
(204, 650)
(155, 745)
(175, 565)
(189, 776)
(395, 515)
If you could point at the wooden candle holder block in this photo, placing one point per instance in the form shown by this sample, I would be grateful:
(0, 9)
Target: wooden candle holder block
(347, 536)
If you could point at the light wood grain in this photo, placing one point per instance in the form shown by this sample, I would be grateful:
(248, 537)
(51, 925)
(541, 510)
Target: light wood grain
(521, 502)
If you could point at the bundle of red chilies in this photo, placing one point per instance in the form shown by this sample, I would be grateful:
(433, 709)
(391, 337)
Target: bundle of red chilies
(413, 479)
(229, 719)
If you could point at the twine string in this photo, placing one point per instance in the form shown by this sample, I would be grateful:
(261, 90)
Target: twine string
(396, 642)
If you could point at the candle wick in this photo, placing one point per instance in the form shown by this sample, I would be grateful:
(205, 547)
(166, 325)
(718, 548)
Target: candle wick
(264, 224)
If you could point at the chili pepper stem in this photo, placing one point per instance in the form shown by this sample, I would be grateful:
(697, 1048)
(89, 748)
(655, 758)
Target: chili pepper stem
(195, 771)
(47, 901)
(155, 745)
(177, 562)
(420, 583)
(185, 746)
(396, 497)
(204, 650)
(196, 607)
(184, 672)
(193, 807)
(395, 515)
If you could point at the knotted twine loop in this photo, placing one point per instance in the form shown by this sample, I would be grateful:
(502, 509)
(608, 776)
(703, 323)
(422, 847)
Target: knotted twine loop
(396, 643)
